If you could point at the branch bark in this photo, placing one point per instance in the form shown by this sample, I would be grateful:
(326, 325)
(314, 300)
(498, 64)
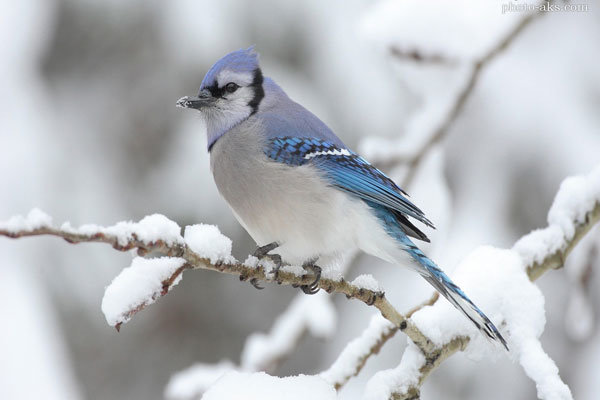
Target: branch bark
(243, 271)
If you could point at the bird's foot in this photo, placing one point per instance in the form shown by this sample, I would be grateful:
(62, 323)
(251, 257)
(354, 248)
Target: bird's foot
(263, 253)
(254, 282)
(312, 288)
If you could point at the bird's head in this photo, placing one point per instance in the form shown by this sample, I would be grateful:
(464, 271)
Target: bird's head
(230, 92)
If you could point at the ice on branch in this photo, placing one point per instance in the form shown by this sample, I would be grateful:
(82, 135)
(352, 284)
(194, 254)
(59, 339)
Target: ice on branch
(139, 285)
(260, 386)
(576, 197)
(35, 219)
(207, 241)
(195, 380)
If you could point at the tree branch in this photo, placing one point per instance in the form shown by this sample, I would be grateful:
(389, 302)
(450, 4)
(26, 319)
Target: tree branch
(245, 271)
(551, 261)
(437, 135)
(462, 95)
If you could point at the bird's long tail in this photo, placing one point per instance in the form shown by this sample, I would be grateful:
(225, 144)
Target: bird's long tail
(443, 284)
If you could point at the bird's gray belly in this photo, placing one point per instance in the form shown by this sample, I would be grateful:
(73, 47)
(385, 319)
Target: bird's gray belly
(274, 202)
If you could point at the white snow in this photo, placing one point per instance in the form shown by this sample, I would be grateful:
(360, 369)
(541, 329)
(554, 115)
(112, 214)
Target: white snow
(366, 281)
(208, 242)
(260, 386)
(496, 280)
(138, 285)
(384, 383)
(195, 380)
(345, 365)
(314, 314)
(35, 219)
(251, 262)
(294, 269)
(576, 196)
(149, 229)
(460, 29)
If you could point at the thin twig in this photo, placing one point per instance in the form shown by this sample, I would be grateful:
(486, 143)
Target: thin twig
(457, 107)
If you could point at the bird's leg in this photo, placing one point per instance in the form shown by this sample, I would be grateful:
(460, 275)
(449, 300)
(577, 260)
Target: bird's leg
(313, 287)
(263, 252)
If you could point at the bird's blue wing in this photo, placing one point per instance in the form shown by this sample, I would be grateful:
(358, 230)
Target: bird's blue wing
(346, 170)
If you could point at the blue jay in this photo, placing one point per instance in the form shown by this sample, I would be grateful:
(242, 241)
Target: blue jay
(294, 185)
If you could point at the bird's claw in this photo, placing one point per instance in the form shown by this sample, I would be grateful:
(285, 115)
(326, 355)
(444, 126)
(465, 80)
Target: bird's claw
(254, 282)
(262, 251)
(313, 287)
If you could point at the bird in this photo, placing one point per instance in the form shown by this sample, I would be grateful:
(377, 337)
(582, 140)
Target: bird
(296, 187)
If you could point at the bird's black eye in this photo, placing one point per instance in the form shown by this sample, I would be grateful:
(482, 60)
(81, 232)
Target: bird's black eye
(231, 87)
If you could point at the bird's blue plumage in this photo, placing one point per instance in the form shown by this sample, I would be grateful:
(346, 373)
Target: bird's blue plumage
(436, 277)
(346, 170)
(256, 118)
(243, 60)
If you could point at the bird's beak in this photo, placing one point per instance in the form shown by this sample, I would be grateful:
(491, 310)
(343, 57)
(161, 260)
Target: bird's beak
(203, 99)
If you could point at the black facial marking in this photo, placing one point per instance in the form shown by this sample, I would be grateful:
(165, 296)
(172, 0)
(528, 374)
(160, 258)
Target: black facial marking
(259, 92)
(215, 90)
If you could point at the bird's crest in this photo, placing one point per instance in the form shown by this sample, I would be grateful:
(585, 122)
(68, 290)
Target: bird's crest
(240, 61)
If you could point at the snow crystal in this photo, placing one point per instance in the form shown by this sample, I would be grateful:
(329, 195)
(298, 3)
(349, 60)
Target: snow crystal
(352, 355)
(138, 285)
(208, 242)
(195, 380)
(313, 313)
(35, 219)
(260, 386)
(366, 281)
(384, 383)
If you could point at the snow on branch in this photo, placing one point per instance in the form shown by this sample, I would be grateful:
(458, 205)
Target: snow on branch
(386, 153)
(437, 332)
(501, 281)
(203, 247)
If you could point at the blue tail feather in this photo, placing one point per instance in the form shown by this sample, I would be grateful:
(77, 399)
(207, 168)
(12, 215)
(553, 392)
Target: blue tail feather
(443, 284)
(438, 279)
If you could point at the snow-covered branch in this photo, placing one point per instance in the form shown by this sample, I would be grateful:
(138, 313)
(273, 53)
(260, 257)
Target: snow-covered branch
(575, 210)
(386, 154)
(201, 247)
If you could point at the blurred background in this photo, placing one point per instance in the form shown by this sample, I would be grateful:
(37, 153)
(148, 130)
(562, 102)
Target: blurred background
(89, 132)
